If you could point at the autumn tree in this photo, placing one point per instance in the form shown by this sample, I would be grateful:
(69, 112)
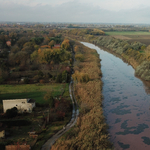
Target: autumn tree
(51, 43)
(51, 34)
(3, 40)
(66, 45)
(14, 37)
(46, 41)
(28, 47)
(21, 42)
(21, 58)
(34, 56)
(15, 49)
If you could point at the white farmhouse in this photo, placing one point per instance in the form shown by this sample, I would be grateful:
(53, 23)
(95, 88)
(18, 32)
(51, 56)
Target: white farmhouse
(23, 105)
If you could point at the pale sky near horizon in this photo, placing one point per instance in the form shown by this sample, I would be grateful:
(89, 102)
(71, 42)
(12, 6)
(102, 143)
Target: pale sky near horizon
(91, 11)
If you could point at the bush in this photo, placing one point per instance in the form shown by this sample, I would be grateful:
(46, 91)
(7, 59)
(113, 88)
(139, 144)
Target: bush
(59, 78)
(1, 80)
(26, 80)
(1, 108)
(80, 77)
(36, 78)
(79, 57)
(40, 74)
(13, 112)
(42, 81)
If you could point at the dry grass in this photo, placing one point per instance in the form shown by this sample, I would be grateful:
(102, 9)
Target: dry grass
(90, 131)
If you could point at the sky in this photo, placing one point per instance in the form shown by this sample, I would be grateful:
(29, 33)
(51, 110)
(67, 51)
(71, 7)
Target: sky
(85, 11)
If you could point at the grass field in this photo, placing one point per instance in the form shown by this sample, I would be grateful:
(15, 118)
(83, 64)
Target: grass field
(35, 91)
(143, 37)
(35, 119)
(127, 33)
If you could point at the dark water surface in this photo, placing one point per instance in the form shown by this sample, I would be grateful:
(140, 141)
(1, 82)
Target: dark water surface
(126, 103)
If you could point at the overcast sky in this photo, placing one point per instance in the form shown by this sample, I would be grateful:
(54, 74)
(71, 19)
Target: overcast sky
(90, 11)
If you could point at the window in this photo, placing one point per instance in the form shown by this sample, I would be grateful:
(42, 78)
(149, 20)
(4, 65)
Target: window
(23, 102)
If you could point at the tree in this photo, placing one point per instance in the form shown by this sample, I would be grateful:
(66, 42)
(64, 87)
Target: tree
(34, 56)
(3, 40)
(64, 76)
(37, 40)
(21, 57)
(59, 78)
(51, 34)
(15, 49)
(46, 41)
(66, 45)
(21, 42)
(49, 99)
(51, 43)
(28, 47)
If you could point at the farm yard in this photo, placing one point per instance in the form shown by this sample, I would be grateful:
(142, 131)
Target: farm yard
(19, 127)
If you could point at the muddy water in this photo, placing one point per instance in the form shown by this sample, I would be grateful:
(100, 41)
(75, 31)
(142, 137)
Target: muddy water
(126, 103)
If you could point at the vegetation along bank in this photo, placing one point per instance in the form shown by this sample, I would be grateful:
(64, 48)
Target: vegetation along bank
(135, 53)
(90, 131)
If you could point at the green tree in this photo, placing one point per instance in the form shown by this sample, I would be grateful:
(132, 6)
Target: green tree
(49, 99)
(34, 56)
(64, 76)
(38, 40)
(59, 78)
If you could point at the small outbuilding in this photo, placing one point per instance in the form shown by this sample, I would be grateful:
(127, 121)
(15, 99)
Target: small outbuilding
(23, 105)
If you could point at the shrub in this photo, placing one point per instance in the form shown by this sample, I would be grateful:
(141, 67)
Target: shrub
(80, 77)
(42, 81)
(40, 74)
(1, 80)
(36, 78)
(26, 80)
(79, 57)
(12, 112)
(59, 78)
(1, 108)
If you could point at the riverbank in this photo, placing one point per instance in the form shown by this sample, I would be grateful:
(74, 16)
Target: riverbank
(126, 104)
(90, 131)
(134, 53)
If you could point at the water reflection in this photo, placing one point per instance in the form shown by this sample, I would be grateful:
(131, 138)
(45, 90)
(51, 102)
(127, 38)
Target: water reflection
(126, 104)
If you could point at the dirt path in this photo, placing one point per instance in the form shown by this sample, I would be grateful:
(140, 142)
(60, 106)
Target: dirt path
(75, 113)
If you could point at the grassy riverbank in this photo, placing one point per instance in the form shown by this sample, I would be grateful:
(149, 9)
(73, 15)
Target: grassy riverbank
(129, 47)
(90, 131)
(135, 53)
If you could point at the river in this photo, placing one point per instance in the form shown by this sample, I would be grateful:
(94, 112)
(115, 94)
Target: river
(126, 103)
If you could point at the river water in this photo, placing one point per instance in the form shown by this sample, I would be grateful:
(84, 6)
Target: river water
(126, 103)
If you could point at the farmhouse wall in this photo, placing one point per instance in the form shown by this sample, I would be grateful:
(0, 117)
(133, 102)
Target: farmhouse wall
(21, 104)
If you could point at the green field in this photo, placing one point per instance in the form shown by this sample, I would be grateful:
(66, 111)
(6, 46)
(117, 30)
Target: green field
(35, 91)
(127, 33)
